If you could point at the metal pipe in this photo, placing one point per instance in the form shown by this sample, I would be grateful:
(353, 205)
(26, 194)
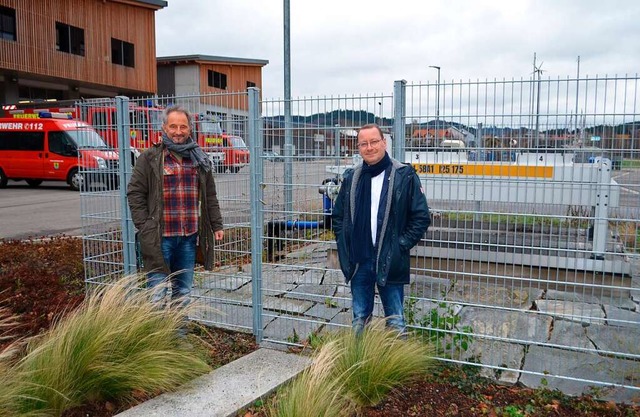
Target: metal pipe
(255, 163)
(124, 175)
(288, 134)
(437, 101)
(399, 111)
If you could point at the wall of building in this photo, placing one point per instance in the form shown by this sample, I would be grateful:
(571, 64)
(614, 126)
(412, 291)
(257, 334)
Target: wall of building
(187, 80)
(237, 77)
(34, 55)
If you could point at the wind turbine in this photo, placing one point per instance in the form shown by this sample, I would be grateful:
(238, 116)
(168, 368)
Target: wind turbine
(537, 70)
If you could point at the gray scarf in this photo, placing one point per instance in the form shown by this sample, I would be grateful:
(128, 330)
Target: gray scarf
(189, 149)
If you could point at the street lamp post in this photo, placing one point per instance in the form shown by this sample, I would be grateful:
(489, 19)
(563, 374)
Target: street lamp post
(437, 101)
(380, 113)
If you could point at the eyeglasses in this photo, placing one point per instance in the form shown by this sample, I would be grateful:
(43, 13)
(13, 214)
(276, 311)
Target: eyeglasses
(372, 143)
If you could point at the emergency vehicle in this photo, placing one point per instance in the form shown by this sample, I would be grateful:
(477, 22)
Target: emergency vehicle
(47, 146)
(145, 123)
(228, 152)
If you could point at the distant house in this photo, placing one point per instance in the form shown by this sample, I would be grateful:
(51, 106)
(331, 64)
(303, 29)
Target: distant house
(57, 50)
(208, 78)
(433, 137)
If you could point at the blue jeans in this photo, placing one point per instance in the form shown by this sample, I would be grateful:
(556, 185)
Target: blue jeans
(363, 286)
(179, 254)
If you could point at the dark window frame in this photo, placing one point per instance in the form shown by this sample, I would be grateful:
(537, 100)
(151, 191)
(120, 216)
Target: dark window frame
(217, 79)
(250, 84)
(70, 39)
(123, 53)
(8, 24)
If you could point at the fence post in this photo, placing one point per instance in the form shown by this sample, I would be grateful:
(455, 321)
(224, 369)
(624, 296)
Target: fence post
(257, 219)
(124, 175)
(601, 216)
(399, 110)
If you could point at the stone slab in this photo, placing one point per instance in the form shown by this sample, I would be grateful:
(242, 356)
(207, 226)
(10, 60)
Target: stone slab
(312, 276)
(232, 317)
(622, 318)
(580, 365)
(615, 339)
(580, 312)
(570, 334)
(496, 353)
(229, 283)
(224, 391)
(570, 296)
(333, 276)
(527, 327)
(323, 311)
(429, 287)
(315, 293)
(291, 329)
(495, 295)
(286, 305)
(343, 318)
(217, 296)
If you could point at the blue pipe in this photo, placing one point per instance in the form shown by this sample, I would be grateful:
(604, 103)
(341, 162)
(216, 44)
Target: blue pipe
(274, 228)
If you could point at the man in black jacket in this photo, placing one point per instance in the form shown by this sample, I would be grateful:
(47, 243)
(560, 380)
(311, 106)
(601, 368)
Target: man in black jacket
(379, 215)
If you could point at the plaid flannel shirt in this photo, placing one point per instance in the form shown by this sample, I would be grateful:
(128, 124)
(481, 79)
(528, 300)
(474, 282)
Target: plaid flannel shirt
(180, 181)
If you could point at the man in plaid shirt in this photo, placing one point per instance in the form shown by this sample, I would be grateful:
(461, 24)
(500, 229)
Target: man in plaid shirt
(174, 206)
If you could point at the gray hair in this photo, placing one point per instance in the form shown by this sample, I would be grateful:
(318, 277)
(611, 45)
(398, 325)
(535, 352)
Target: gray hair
(179, 109)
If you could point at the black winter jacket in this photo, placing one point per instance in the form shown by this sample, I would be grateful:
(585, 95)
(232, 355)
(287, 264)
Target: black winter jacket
(405, 222)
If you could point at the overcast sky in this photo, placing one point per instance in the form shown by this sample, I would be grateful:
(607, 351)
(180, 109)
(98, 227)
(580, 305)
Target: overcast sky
(357, 46)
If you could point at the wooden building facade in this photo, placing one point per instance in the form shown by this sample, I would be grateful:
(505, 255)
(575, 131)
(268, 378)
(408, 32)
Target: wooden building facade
(67, 49)
(213, 86)
(205, 74)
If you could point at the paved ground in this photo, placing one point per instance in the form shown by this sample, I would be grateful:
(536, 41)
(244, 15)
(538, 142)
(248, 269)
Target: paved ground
(519, 325)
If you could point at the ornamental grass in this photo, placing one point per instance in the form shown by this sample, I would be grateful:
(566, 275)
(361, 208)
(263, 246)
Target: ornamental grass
(315, 392)
(352, 371)
(378, 360)
(116, 345)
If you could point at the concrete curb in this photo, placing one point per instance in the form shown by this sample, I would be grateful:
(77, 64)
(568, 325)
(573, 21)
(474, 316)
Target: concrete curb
(224, 391)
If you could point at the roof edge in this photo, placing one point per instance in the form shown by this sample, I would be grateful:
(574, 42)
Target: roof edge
(210, 59)
(157, 4)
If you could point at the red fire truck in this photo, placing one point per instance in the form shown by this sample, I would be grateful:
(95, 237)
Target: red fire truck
(49, 146)
(145, 123)
(229, 152)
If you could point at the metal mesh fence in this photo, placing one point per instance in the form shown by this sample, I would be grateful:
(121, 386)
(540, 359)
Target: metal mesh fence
(530, 267)
(531, 260)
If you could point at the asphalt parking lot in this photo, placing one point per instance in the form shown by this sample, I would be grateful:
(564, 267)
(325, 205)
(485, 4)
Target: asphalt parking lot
(50, 209)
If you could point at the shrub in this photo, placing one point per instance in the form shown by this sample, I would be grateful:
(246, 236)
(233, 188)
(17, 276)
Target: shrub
(352, 371)
(378, 360)
(115, 345)
(316, 392)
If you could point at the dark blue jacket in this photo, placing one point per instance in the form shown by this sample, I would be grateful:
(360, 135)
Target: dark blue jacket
(405, 221)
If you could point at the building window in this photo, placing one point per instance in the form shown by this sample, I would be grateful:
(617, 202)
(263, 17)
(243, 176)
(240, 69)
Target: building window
(35, 93)
(217, 80)
(239, 125)
(69, 39)
(250, 84)
(122, 53)
(8, 24)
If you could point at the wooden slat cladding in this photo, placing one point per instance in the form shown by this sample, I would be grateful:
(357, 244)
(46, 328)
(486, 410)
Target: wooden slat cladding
(35, 51)
(237, 77)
